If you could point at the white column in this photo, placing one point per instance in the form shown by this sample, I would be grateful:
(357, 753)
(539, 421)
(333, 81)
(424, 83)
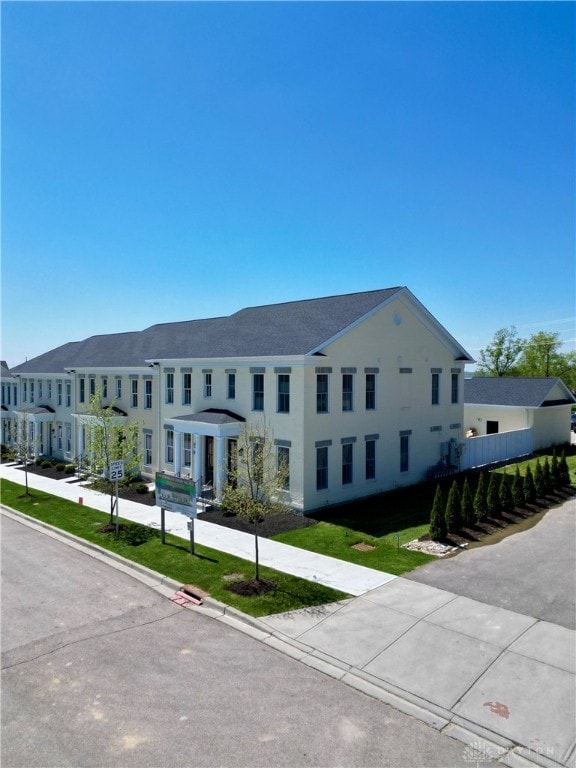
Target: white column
(220, 467)
(198, 460)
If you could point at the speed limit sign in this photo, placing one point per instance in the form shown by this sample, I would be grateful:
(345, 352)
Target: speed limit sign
(117, 469)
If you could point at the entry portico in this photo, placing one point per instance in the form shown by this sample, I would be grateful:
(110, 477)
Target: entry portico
(210, 436)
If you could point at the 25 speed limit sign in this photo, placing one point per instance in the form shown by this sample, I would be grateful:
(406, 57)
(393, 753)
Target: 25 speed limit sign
(117, 469)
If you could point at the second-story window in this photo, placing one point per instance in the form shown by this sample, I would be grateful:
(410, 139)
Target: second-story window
(148, 394)
(283, 393)
(118, 388)
(169, 387)
(347, 392)
(59, 393)
(134, 394)
(435, 388)
(68, 394)
(31, 390)
(186, 388)
(82, 390)
(370, 391)
(258, 392)
(322, 393)
(231, 386)
(207, 384)
(455, 387)
(104, 387)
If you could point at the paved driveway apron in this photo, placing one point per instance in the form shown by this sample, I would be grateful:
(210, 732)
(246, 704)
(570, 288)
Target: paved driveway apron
(482, 653)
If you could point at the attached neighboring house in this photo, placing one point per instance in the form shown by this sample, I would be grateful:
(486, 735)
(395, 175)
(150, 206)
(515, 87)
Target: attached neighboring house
(361, 392)
(506, 404)
(9, 385)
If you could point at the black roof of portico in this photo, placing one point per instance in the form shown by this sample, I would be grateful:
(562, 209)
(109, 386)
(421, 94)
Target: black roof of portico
(211, 416)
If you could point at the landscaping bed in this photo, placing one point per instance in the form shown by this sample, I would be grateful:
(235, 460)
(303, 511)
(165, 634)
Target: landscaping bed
(270, 526)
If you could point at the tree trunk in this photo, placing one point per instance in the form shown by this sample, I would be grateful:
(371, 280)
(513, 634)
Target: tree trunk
(256, 555)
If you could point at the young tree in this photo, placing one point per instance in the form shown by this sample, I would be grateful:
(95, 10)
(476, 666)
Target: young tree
(467, 504)
(564, 470)
(257, 481)
(505, 495)
(24, 442)
(109, 438)
(500, 356)
(555, 471)
(547, 475)
(453, 509)
(480, 505)
(493, 495)
(539, 482)
(529, 486)
(518, 495)
(437, 517)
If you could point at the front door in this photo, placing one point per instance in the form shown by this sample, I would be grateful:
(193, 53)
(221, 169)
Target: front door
(209, 461)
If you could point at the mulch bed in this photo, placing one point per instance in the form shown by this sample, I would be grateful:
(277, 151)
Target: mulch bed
(269, 526)
(251, 587)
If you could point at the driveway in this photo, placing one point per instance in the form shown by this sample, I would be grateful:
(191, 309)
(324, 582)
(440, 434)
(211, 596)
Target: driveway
(532, 572)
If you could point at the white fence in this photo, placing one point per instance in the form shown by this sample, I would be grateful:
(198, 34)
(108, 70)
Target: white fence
(487, 449)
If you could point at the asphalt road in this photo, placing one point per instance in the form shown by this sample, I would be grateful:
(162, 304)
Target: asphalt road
(100, 670)
(532, 572)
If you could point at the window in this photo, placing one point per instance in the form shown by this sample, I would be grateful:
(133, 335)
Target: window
(258, 392)
(32, 390)
(104, 387)
(207, 384)
(24, 391)
(370, 459)
(59, 392)
(82, 390)
(404, 453)
(322, 393)
(283, 393)
(347, 391)
(187, 450)
(92, 386)
(322, 468)
(169, 446)
(284, 466)
(186, 388)
(257, 462)
(148, 393)
(59, 438)
(435, 388)
(16, 395)
(68, 438)
(169, 387)
(3, 394)
(231, 386)
(148, 448)
(118, 388)
(68, 394)
(347, 459)
(370, 391)
(134, 394)
(39, 389)
(455, 385)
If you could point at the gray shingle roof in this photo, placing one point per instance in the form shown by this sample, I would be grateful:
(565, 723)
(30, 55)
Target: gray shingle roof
(293, 328)
(508, 390)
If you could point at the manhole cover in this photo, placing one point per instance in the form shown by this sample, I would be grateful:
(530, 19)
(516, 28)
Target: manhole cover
(363, 547)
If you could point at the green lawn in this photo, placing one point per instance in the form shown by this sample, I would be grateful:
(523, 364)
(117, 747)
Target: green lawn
(206, 569)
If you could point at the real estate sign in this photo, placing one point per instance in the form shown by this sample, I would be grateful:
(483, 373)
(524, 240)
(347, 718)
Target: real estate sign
(176, 494)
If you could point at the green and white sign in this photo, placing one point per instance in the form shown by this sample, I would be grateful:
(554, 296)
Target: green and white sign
(177, 494)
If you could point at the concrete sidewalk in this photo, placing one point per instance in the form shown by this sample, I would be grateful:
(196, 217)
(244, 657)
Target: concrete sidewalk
(501, 682)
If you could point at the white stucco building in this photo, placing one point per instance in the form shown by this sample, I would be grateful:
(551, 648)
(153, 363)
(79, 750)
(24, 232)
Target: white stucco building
(361, 392)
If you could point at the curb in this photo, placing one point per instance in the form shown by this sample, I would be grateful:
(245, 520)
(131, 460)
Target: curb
(486, 745)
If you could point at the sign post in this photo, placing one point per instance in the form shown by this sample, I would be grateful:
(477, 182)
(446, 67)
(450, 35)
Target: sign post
(176, 494)
(116, 473)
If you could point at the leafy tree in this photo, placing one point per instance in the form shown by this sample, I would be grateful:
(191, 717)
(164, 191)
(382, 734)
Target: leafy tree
(453, 509)
(257, 481)
(500, 356)
(480, 503)
(467, 504)
(518, 495)
(493, 495)
(438, 528)
(109, 438)
(530, 493)
(505, 494)
(23, 443)
(539, 481)
(541, 356)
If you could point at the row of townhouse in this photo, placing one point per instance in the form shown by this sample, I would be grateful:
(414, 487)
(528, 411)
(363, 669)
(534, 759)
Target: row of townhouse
(360, 393)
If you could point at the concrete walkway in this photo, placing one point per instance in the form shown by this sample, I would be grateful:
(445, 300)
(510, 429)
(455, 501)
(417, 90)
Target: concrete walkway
(501, 682)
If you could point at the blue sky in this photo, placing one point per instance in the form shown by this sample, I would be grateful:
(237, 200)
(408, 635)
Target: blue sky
(169, 161)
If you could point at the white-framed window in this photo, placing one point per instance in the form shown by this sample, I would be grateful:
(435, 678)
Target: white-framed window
(435, 389)
(118, 388)
(370, 391)
(169, 446)
(147, 448)
(455, 387)
(283, 393)
(105, 387)
(59, 437)
(404, 452)
(24, 391)
(40, 389)
(169, 387)
(207, 384)
(15, 394)
(283, 459)
(187, 450)
(68, 394)
(92, 386)
(68, 438)
(370, 459)
(321, 393)
(322, 468)
(347, 463)
(31, 390)
(186, 389)
(59, 392)
(231, 386)
(347, 391)
(134, 393)
(148, 394)
(258, 392)
(82, 390)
